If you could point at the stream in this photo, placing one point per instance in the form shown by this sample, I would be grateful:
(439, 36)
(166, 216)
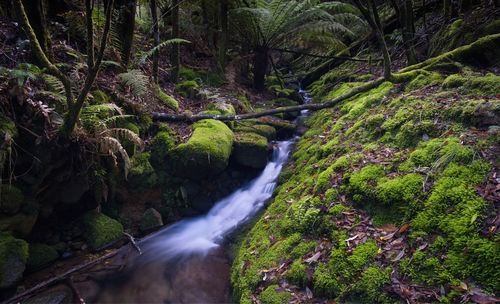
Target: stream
(189, 261)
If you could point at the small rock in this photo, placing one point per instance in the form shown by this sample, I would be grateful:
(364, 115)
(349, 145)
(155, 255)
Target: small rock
(150, 220)
(425, 137)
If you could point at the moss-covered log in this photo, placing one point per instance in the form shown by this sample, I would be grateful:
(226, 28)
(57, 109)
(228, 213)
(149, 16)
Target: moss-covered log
(313, 107)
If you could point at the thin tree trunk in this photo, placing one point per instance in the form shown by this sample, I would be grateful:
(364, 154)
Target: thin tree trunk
(176, 60)
(409, 32)
(260, 65)
(224, 36)
(156, 40)
(126, 26)
(36, 15)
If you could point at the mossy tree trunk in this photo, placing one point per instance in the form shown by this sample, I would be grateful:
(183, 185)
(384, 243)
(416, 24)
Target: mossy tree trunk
(125, 27)
(35, 11)
(74, 106)
(370, 13)
(156, 40)
(176, 53)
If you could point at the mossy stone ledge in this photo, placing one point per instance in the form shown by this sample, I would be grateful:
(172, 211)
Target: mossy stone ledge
(13, 257)
(205, 154)
(102, 231)
(250, 150)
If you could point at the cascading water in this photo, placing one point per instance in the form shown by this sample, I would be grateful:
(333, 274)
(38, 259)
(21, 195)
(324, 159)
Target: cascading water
(187, 262)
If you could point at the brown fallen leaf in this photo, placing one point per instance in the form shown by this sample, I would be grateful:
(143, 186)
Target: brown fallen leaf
(314, 258)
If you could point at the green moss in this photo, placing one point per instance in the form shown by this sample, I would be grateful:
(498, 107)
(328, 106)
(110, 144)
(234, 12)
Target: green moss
(374, 121)
(361, 182)
(11, 199)
(303, 248)
(250, 150)
(187, 88)
(168, 100)
(400, 189)
(161, 144)
(488, 85)
(271, 296)
(371, 282)
(206, 152)
(297, 274)
(13, 258)
(141, 172)
(363, 254)
(187, 74)
(424, 80)
(101, 230)
(6, 126)
(99, 97)
(222, 108)
(40, 256)
(411, 133)
(325, 284)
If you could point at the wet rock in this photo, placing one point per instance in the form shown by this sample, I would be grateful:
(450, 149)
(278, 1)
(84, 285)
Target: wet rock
(55, 296)
(20, 224)
(150, 220)
(251, 150)
(101, 230)
(13, 257)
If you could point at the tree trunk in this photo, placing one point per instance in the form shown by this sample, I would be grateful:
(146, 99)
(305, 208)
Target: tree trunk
(224, 36)
(125, 27)
(260, 66)
(176, 60)
(409, 32)
(380, 36)
(156, 40)
(36, 15)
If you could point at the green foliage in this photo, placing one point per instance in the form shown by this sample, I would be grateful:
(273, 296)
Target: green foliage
(40, 256)
(136, 80)
(271, 296)
(99, 98)
(101, 230)
(371, 282)
(168, 100)
(22, 72)
(161, 45)
(297, 274)
(400, 189)
(361, 182)
(187, 88)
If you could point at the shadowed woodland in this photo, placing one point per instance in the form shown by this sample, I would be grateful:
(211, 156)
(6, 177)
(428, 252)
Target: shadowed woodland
(119, 118)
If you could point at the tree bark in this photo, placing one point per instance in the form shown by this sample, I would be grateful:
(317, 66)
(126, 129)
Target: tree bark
(176, 60)
(156, 40)
(125, 27)
(260, 66)
(224, 35)
(36, 16)
(314, 107)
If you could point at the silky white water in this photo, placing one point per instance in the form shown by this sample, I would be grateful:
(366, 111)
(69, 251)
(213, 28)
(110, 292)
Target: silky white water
(201, 234)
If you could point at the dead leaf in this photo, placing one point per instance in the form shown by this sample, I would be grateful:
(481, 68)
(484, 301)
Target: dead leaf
(314, 258)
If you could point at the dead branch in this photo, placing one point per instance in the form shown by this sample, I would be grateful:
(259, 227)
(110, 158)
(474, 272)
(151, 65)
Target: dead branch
(75, 290)
(133, 242)
(313, 107)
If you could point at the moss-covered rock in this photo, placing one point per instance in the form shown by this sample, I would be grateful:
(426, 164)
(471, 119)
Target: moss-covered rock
(168, 100)
(101, 230)
(40, 256)
(187, 88)
(222, 108)
(161, 144)
(19, 224)
(271, 296)
(13, 258)
(11, 199)
(206, 153)
(474, 85)
(250, 150)
(141, 173)
(268, 132)
(150, 220)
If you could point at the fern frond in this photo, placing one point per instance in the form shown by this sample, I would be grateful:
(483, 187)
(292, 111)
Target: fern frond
(106, 63)
(169, 42)
(111, 145)
(54, 83)
(54, 95)
(102, 108)
(116, 118)
(122, 133)
(136, 80)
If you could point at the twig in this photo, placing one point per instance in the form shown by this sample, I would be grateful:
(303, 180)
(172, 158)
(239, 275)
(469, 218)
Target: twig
(132, 240)
(75, 290)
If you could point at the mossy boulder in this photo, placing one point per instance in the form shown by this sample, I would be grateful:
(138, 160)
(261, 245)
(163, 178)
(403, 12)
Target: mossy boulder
(222, 108)
(101, 230)
(487, 85)
(161, 144)
(11, 199)
(291, 94)
(40, 256)
(187, 89)
(141, 173)
(13, 258)
(268, 132)
(168, 100)
(250, 150)
(150, 220)
(19, 224)
(205, 154)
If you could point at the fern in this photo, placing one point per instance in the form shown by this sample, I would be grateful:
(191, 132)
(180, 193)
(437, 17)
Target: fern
(136, 80)
(169, 42)
(54, 83)
(123, 133)
(111, 146)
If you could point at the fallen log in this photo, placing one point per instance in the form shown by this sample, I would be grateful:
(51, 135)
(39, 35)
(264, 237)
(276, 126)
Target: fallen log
(313, 107)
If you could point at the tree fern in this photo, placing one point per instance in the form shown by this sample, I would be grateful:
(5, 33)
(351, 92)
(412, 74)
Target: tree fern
(169, 42)
(136, 80)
